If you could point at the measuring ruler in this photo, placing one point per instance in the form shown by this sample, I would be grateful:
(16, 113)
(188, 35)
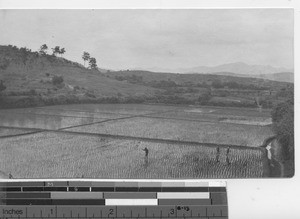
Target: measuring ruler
(114, 199)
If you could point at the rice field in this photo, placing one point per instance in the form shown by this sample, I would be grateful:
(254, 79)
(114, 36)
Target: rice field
(60, 113)
(207, 132)
(106, 141)
(72, 156)
(213, 116)
(37, 121)
(131, 109)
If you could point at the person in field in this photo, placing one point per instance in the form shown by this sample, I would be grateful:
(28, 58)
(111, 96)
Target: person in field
(146, 157)
(227, 153)
(218, 155)
(146, 151)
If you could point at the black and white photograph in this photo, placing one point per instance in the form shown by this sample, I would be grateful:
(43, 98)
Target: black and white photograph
(147, 93)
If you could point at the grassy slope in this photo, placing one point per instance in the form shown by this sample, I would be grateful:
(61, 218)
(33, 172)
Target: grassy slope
(25, 72)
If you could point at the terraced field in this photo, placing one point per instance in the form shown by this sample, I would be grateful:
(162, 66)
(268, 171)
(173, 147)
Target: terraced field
(107, 141)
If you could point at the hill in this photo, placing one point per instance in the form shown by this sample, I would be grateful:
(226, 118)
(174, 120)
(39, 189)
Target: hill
(238, 68)
(210, 89)
(281, 76)
(198, 79)
(28, 74)
(28, 78)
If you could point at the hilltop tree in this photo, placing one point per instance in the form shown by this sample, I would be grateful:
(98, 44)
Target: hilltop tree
(55, 50)
(43, 49)
(93, 63)
(86, 57)
(25, 50)
(62, 51)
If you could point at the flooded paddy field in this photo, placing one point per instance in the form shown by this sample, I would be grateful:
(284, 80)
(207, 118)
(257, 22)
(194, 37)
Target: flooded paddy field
(107, 141)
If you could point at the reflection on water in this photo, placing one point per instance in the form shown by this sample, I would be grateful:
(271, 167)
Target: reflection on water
(62, 116)
(42, 121)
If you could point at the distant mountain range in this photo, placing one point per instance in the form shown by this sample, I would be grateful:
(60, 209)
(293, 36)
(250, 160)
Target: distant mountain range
(238, 69)
(280, 76)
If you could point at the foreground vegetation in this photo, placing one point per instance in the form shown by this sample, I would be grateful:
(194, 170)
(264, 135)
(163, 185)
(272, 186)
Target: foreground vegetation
(283, 127)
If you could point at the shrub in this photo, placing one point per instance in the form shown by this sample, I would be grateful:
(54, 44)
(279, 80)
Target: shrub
(56, 80)
(32, 92)
(283, 125)
(205, 97)
(2, 86)
(4, 64)
(90, 94)
(77, 87)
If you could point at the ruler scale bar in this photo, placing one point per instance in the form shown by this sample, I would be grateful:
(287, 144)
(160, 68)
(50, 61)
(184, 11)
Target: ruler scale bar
(76, 195)
(183, 195)
(130, 195)
(125, 189)
(110, 199)
(115, 211)
(127, 202)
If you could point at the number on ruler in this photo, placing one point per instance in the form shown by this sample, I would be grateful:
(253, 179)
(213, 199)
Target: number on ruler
(49, 184)
(172, 211)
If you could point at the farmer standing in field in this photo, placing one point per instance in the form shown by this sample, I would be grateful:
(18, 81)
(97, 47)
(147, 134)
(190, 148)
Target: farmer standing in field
(218, 155)
(146, 151)
(227, 158)
(146, 156)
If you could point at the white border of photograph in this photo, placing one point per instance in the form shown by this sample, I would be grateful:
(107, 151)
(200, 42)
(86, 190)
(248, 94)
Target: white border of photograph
(247, 198)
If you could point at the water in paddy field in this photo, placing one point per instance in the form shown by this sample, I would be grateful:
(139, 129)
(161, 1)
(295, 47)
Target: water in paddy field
(62, 116)
(45, 118)
(80, 145)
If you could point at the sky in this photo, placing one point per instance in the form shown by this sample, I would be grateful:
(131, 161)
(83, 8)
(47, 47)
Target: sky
(161, 39)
